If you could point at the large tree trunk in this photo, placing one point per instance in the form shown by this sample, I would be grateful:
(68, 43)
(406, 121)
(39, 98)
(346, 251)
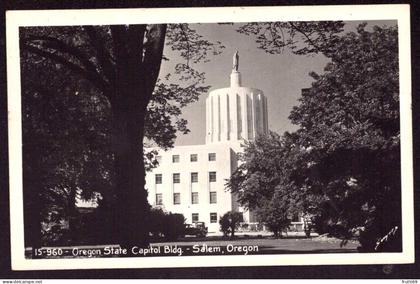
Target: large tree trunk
(133, 208)
(137, 70)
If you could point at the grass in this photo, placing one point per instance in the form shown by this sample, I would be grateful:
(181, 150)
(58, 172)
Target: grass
(266, 245)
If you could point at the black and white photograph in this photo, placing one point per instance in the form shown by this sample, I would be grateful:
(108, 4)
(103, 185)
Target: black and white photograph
(228, 136)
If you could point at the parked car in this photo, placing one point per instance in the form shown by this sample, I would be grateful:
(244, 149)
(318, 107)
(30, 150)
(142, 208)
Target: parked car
(197, 229)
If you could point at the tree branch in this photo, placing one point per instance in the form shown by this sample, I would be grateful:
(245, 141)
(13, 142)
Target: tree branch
(270, 29)
(153, 56)
(103, 56)
(188, 43)
(61, 46)
(89, 75)
(306, 36)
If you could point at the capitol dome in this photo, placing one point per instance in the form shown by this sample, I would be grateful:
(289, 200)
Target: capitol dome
(235, 113)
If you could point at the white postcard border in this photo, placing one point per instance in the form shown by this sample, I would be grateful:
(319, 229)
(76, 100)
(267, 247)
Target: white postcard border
(15, 19)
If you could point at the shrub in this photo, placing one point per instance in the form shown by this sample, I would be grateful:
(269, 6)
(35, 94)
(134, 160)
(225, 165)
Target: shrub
(168, 225)
(156, 222)
(230, 222)
(174, 226)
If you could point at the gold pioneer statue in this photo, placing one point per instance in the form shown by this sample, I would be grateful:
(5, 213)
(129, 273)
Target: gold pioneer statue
(235, 61)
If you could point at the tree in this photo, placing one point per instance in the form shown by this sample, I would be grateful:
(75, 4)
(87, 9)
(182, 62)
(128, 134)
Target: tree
(63, 145)
(267, 181)
(342, 165)
(300, 37)
(276, 214)
(122, 63)
(229, 222)
(349, 119)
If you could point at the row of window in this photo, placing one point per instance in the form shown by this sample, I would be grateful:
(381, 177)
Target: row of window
(195, 217)
(194, 198)
(193, 158)
(176, 177)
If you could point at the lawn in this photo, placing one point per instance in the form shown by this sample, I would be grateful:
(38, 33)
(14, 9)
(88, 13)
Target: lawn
(242, 245)
(273, 246)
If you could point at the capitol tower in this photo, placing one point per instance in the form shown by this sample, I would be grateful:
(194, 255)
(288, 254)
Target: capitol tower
(190, 180)
(235, 113)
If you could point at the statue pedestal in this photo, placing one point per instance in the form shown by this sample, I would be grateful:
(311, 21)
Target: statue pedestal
(235, 79)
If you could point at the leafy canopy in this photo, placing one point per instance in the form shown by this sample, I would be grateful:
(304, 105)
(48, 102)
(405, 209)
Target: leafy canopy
(342, 165)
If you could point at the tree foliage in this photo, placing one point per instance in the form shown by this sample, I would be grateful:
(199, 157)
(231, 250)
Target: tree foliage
(349, 119)
(65, 144)
(229, 223)
(169, 225)
(343, 163)
(115, 70)
(275, 214)
(267, 180)
(299, 37)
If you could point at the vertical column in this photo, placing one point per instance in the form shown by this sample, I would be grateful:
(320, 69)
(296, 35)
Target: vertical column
(253, 117)
(155, 189)
(208, 187)
(223, 117)
(244, 101)
(207, 120)
(260, 114)
(228, 126)
(249, 115)
(238, 117)
(222, 122)
(171, 198)
(233, 116)
(266, 115)
(191, 190)
(257, 104)
(211, 119)
(218, 118)
(263, 114)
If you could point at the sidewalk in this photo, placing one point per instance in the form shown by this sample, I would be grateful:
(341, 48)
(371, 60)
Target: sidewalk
(262, 234)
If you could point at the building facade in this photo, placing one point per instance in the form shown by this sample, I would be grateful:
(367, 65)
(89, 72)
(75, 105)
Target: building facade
(191, 179)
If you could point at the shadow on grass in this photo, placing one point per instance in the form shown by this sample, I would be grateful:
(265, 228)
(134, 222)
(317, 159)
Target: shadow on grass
(235, 238)
(274, 250)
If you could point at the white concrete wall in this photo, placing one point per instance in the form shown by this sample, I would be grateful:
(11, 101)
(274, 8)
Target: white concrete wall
(231, 107)
(233, 115)
(222, 166)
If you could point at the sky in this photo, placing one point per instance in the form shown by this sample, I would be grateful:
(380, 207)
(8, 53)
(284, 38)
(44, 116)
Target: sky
(280, 76)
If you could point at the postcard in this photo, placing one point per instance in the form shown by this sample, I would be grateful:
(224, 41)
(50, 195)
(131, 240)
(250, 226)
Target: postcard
(199, 137)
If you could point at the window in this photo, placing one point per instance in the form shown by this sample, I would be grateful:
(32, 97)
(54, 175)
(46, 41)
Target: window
(212, 176)
(194, 197)
(213, 197)
(213, 217)
(159, 159)
(176, 178)
(193, 158)
(175, 158)
(194, 177)
(212, 156)
(158, 178)
(177, 198)
(159, 200)
(194, 217)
